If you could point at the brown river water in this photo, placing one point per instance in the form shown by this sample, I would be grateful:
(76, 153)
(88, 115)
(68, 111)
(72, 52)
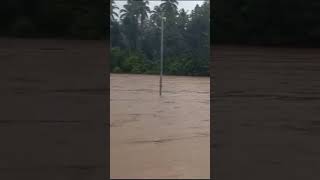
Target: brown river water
(159, 137)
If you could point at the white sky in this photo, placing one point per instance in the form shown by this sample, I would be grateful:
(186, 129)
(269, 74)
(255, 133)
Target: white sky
(188, 5)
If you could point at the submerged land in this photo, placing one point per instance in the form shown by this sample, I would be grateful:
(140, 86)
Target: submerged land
(159, 137)
(264, 112)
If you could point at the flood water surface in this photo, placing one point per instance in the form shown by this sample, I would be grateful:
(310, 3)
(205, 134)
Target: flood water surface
(159, 137)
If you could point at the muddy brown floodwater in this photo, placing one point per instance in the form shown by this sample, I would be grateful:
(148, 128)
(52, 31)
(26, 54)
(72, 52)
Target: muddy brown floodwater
(159, 137)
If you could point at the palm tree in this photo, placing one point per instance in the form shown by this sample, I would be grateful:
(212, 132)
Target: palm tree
(182, 21)
(169, 3)
(155, 17)
(169, 7)
(113, 13)
(128, 10)
(142, 10)
(135, 11)
(130, 21)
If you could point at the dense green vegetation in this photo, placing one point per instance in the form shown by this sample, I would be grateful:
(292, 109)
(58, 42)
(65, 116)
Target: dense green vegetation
(135, 38)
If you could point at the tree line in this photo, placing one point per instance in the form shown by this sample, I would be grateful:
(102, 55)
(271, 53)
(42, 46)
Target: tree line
(136, 35)
(273, 22)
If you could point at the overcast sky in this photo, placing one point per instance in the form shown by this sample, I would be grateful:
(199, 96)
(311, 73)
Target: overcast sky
(188, 5)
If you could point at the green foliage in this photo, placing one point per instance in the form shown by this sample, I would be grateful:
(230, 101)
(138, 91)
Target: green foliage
(133, 64)
(117, 58)
(178, 66)
(128, 62)
(135, 34)
(117, 70)
(136, 39)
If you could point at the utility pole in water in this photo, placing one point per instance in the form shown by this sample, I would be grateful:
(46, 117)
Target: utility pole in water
(161, 61)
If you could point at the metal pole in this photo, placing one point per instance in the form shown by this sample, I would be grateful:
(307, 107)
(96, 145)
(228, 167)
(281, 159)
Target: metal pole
(161, 61)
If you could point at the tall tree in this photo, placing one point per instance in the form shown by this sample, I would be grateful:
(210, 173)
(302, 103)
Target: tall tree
(141, 10)
(112, 10)
(182, 23)
(182, 20)
(186, 39)
(130, 24)
(198, 36)
(156, 16)
(128, 11)
(169, 9)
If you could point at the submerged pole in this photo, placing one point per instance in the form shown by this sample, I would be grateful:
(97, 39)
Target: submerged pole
(161, 60)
